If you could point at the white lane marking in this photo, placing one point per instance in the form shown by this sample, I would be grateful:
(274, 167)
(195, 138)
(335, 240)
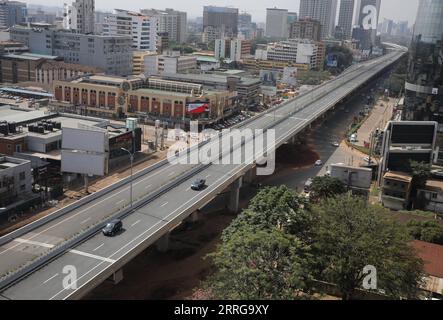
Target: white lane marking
(99, 247)
(141, 235)
(171, 174)
(164, 204)
(37, 243)
(55, 275)
(135, 223)
(149, 176)
(121, 201)
(86, 220)
(208, 176)
(89, 255)
(148, 186)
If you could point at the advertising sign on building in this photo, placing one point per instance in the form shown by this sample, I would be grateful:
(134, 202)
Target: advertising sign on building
(289, 76)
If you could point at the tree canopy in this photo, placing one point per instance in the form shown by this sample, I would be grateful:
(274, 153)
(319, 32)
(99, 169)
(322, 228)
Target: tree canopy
(326, 187)
(353, 234)
(280, 246)
(429, 231)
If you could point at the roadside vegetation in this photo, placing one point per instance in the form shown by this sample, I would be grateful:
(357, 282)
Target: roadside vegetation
(282, 246)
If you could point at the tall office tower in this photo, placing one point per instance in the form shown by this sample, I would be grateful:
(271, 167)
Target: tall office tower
(221, 20)
(424, 83)
(245, 25)
(277, 23)
(11, 13)
(142, 28)
(170, 21)
(79, 16)
(321, 10)
(345, 17)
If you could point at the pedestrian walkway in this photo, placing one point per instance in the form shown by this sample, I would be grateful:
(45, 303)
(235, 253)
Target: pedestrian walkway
(380, 115)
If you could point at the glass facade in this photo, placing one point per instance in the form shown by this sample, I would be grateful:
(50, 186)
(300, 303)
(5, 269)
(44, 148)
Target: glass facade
(429, 23)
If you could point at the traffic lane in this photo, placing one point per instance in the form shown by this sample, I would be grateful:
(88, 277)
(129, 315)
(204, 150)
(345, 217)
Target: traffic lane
(89, 259)
(164, 212)
(18, 252)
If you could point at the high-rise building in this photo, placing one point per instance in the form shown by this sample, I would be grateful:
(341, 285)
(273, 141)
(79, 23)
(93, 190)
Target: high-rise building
(306, 28)
(424, 83)
(345, 16)
(245, 25)
(221, 19)
(170, 21)
(429, 22)
(142, 28)
(321, 10)
(11, 13)
(387, 26)
(79, 16)
(277, 23)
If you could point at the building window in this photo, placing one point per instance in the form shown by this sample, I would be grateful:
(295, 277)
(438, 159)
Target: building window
(22, 176)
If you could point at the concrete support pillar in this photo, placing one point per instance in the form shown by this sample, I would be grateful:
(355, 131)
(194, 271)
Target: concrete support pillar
(234, 196)
(116, 277)
(162, 244)
(250, 176)
(195, 216)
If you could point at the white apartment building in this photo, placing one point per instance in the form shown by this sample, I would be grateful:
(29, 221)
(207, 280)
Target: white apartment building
(300, 51)
(142, 28)
(170, 63)
(170, 21)
(220, 49)
(79, 16)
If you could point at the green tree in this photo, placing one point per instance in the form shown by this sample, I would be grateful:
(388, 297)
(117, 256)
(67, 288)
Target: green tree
(259, 264)
(352, 234)
(326, 187)
(421, 172)
(276, 207)
(429, 231)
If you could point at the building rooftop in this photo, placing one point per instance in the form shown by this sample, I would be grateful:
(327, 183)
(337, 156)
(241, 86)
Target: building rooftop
(434, 185)
(432, 256)
(209, 78)
(398, 176)
(20, 115)
(27, 91)
(10, 162)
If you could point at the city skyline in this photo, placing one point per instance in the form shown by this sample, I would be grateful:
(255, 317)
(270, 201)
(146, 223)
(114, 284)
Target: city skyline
(389, 8)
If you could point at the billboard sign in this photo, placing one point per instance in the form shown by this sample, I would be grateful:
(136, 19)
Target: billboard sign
(332, 61)
(404, 133)
(289, 76)
(83, 162)
(197, 108)
(85, 140)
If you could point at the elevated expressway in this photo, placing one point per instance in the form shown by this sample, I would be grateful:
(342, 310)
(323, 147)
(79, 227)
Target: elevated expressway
(35, 260)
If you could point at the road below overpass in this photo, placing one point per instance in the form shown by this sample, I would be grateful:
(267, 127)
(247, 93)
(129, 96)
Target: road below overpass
(97, 257)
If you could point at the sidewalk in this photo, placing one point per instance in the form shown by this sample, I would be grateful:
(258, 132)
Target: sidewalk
(379, 117)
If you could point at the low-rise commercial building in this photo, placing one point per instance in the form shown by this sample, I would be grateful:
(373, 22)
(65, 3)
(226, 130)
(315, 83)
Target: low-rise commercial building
(396, 190)
(138, 61)
(169, 62)
(430, 197)
(357, 180)
(247, 88)
(157, 98)
(15, 184)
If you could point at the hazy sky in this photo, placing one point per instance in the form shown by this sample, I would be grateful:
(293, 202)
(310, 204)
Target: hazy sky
(392, 9)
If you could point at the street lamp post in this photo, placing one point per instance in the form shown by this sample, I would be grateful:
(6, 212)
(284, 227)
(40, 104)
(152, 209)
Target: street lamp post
(131, 156)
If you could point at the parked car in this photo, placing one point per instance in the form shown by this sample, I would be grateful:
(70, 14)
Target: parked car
(335, 144)
(318, 163)
(198, 184)
(112, 228)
